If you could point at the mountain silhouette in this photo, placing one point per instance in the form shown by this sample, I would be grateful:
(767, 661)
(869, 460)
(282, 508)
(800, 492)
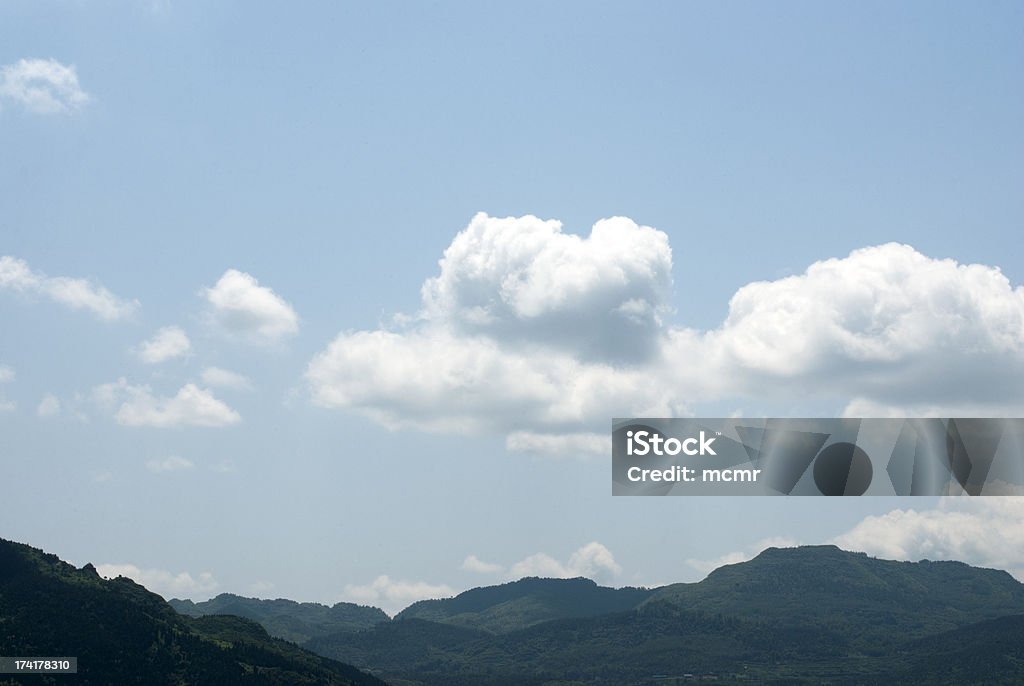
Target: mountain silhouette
(123, 634)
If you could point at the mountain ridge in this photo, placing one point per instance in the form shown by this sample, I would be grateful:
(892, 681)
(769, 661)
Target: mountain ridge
(802, 615)
(528, 601)
(122, 633)
(287, 619)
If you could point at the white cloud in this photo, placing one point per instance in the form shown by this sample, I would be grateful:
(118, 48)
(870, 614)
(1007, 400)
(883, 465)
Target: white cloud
(474, 564)
(559, 445)
(6, 376)
(393, 595)
(539, 564)
(517, 335)
(169, 464)
(438, 381)
(705, 567)
(241, 306)
(945, 407)
(166, 344)
(592, 560)
(42, 86)
(49, 406)
(985, 532)
(78, 294)
(191, 406)
(223, 378)
(162, 582)
(886, 314)
(523, 279)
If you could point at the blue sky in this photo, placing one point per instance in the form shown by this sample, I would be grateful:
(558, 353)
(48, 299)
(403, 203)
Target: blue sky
(331, 154)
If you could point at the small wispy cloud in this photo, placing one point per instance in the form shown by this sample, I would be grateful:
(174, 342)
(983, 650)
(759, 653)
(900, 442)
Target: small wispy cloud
(394, 594)
(42, 86)
(472, 563)
(49, 406)
(169, 464)
(593, 561)
(165, 583)
(241, 306)
(706, 566)
(138, 406)
(166, 344)
(559, 445)
(223, 378)
(6, 376)
(78, 294)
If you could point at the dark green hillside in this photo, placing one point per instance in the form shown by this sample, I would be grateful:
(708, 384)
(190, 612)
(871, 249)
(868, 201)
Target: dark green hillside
(523, 603)
(814, 615)
(867, 599)
(287, 619)
(402, 646)
(123, 634)
(617, 648)
(991, 651)
(797, 616)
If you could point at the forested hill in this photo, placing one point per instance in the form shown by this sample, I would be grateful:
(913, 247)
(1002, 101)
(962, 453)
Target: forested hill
(287, 619)
(523, 603)
(871, 599)
(123, 634)
(807, 615)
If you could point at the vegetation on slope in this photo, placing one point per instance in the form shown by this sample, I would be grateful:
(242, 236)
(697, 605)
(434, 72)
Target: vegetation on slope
(123, 634)
(287, 619)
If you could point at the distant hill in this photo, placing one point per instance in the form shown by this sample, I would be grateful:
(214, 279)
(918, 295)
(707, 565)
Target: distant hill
(123, 634)
(856, 595)
(796, 616)
(287, 619)
(523, 603)
(808, 615)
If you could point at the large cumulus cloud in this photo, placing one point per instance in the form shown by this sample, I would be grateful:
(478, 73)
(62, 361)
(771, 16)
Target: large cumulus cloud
(886, 321)
(545, 336)
(522, 280)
